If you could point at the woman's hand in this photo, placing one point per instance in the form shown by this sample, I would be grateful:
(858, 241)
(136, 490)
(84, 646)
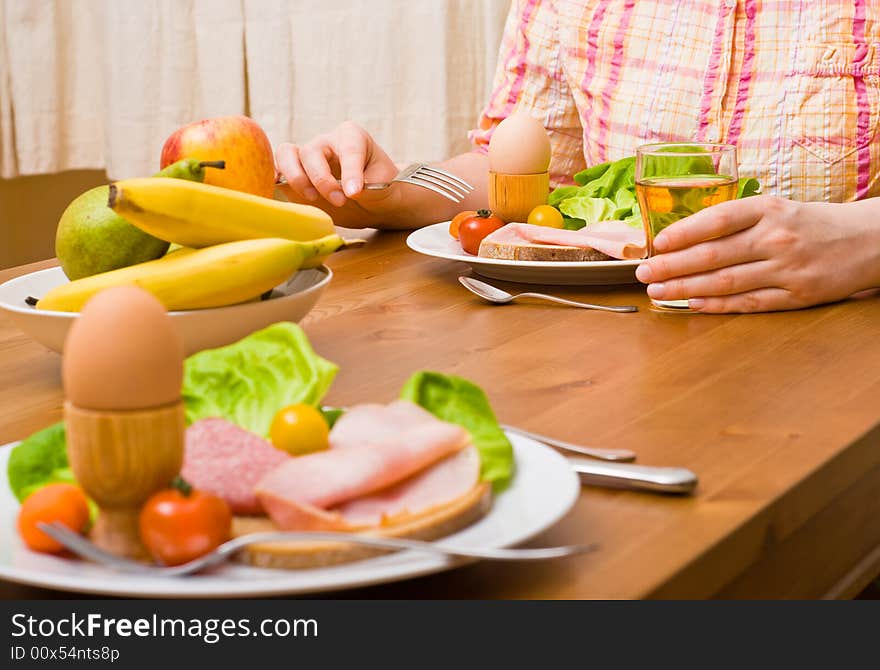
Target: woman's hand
(766, 253)
(348, 154)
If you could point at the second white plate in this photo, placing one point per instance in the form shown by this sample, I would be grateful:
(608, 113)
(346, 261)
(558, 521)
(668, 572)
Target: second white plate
(542, 492)
(435, 240)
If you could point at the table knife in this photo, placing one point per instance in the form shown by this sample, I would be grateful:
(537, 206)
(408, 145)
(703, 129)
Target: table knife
(637, 477)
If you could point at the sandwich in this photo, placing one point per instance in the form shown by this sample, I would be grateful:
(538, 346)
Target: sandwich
(602, 241)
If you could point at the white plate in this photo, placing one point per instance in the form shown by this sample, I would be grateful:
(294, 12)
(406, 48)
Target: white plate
(542, 492)
(436, 241)
(200, 328)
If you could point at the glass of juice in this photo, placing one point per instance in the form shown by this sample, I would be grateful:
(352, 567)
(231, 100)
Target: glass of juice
(676, 180)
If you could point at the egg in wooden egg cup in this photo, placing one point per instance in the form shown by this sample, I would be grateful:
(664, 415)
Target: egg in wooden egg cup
(124, 416)
(519, 160)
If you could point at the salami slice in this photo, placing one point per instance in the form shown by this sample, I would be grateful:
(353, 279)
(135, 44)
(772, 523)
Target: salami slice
(228, 461)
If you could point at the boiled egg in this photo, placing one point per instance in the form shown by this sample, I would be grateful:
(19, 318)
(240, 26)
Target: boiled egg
(519, 145)
(122, 353)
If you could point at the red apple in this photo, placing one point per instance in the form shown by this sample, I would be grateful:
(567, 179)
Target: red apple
(238, 140)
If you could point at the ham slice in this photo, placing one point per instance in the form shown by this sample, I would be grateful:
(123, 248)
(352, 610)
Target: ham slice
(439, 484)
(449, 479)
(372, 447)
(612, 238)
(228, 461)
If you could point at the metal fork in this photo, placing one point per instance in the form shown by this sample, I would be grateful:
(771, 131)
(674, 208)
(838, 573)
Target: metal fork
(83, 547)
(618, 455)
(427, 176)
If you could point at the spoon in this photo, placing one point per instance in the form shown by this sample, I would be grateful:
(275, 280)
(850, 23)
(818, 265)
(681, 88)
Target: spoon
(496, 295)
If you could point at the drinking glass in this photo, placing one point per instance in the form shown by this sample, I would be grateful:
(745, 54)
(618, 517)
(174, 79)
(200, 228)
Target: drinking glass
(675, 180)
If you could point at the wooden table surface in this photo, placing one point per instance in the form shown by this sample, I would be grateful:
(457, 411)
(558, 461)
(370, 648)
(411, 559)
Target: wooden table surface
(779, 414)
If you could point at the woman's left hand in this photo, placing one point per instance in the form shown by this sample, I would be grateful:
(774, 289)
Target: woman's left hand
(766, 253)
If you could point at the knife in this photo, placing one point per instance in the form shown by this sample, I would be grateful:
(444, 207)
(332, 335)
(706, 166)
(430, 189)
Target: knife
(637, 477)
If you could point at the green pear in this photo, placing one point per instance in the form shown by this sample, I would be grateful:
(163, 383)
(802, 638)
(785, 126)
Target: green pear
(91, 238)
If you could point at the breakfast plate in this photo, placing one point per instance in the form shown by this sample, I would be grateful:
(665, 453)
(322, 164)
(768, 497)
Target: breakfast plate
(200, 328)
(542, 492)
(434, 240)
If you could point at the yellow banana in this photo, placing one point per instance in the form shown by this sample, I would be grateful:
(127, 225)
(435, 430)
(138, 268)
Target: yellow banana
(200, 215)
(220, 275)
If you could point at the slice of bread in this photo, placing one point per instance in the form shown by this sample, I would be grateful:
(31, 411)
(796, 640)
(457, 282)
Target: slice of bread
(538, 252)
(432, 524)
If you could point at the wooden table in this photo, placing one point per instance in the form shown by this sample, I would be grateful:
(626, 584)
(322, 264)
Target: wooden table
(779, 414)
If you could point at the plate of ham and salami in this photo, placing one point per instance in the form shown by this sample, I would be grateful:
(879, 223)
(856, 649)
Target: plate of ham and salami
(541, 492)
(612, 250)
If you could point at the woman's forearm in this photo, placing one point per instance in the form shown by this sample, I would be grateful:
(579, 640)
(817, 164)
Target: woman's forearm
(863, 218)
(419, 206)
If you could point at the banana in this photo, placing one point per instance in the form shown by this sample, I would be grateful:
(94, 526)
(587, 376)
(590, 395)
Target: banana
(217, 276)
(199, 215)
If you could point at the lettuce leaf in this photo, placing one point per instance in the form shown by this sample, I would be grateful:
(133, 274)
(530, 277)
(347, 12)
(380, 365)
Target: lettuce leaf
(747, 187)
(39, 460)
(558, 195)
(588, 209)
(331, 415)
(572, 223)
(249, 381)
(591, 174)
(607, 191)
(456, 400)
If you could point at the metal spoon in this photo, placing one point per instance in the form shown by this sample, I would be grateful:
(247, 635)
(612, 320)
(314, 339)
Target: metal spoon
(496, 295)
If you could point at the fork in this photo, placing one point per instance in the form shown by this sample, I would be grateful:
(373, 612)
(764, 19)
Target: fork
(84, 548)
(424, 175)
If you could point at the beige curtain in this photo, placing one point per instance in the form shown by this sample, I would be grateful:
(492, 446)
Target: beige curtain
(101, 83)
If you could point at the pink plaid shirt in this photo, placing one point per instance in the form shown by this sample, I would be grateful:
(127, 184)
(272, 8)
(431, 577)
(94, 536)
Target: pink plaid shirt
(794, 84)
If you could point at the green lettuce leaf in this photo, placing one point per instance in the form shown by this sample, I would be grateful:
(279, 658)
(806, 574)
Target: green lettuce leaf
(607, 191)
(625, 200)
(331, 415)
(249, 381)
(560, 194)
(572, 223)
(591, 174)
(459, 401)
(39, 460)
(747, 187)
(588, 209)
(618, 175)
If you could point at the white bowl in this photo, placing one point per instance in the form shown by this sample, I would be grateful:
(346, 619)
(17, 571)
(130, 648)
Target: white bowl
(200, 328)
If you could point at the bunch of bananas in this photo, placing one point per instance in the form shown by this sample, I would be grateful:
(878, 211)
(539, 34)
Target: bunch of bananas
(236, 246)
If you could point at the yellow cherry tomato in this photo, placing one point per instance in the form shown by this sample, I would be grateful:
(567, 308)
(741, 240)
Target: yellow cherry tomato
(545, 215)
(299, 429)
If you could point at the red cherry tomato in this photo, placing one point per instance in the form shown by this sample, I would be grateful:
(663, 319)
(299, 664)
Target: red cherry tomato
(473, 229)
(456, 221)
(179, 524)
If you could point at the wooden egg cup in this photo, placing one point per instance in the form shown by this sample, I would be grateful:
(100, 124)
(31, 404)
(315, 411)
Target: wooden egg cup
(120, 459)
(513, 196)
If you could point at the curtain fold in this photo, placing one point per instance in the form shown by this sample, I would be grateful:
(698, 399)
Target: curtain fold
(101, 83)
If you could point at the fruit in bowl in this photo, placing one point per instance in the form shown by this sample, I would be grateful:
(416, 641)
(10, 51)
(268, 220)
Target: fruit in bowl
(91, 238)
(238, 140)
(200, 329)
(240, 261)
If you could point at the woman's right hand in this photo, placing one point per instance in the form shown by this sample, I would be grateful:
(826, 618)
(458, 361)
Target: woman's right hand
(347, 154)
